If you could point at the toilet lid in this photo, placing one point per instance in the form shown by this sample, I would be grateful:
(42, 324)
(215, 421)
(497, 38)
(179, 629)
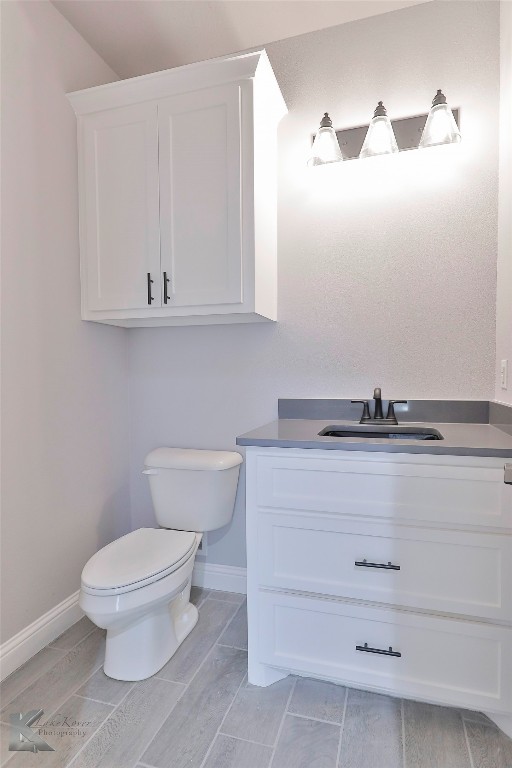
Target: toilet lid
(141, 556)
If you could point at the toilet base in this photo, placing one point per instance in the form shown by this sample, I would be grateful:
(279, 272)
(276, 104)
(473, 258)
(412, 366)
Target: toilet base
(141, 648)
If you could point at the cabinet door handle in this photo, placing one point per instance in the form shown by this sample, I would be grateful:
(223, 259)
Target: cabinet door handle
(166, 282)
(150, 282)
(508, 474)
(379, 651)
(383, 566)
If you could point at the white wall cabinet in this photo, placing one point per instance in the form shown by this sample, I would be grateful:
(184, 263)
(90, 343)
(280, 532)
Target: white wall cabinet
(177, 183)
(383, 571)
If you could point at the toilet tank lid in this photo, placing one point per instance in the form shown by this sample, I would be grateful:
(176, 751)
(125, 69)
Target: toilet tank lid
(192, 458)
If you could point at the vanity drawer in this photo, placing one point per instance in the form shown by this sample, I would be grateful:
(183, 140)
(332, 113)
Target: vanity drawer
(461, 572)
(442, 660)
(443, 490)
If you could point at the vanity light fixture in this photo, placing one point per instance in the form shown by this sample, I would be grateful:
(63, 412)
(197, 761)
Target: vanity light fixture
(380, 138)
(440, 127)
(325, 147)
(383, 137)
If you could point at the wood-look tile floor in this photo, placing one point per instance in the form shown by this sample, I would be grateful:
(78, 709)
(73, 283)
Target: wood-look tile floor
(200, 712)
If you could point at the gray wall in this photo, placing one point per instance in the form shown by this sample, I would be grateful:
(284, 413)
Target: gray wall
(387, 270)
(64, 391)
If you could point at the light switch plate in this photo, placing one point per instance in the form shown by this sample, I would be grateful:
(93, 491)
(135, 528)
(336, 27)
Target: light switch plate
(504, 374)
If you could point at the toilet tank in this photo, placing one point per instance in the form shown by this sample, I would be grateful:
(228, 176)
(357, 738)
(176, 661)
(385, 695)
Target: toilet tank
(192, 490)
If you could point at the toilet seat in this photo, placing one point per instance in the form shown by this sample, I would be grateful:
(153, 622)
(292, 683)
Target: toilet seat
(137, 559)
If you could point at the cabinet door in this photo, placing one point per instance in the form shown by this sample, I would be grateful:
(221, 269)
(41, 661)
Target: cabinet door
(200, 196)
(461, 663)
(461, 572)
(443, 490)
(120, 227)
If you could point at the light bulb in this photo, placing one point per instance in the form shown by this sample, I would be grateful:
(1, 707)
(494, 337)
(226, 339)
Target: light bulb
(440, 127)
(325, 147)
(380, 137)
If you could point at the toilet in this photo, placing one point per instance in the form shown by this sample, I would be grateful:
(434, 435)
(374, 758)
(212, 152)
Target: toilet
(138, 587)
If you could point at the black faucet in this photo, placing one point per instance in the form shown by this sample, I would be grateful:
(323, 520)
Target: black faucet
(377, 397)
(378, 415)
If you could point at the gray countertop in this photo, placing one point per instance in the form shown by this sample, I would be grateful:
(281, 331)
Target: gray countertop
(460, 439)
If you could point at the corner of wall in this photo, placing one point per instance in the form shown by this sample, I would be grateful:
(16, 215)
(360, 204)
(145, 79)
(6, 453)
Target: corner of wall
(504, 267)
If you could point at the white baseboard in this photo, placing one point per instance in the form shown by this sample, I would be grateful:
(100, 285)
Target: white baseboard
(227, 578)
(24, 645)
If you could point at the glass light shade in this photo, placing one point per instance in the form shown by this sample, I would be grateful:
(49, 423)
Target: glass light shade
(380, 137)
(326, 148)
(440, 127)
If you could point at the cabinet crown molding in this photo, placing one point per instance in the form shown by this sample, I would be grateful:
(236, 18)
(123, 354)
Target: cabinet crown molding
(170, 82)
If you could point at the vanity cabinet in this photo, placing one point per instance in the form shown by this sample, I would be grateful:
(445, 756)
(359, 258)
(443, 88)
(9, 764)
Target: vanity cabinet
(177, 190)
(385, 571)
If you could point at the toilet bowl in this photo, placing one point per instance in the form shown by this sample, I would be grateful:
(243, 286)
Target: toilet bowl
(138, 587)
(146, 613)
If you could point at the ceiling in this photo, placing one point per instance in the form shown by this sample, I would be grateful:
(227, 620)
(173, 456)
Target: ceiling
(136, 37)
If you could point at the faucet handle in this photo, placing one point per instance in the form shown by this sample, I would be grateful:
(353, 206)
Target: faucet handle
(391, 410)
(366, 410)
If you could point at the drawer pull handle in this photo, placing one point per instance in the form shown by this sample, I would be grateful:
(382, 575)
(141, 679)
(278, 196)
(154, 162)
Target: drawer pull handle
(380, 651)
(384, 566)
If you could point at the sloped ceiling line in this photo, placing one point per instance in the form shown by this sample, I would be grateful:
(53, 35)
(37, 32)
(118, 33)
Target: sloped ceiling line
(136, 37)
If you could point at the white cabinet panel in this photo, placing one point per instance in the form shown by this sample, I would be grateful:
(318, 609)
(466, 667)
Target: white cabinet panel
(442, 490)
(200, 196)
(120, 241)
(188, 156)
(444, 571)
(444, 660)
